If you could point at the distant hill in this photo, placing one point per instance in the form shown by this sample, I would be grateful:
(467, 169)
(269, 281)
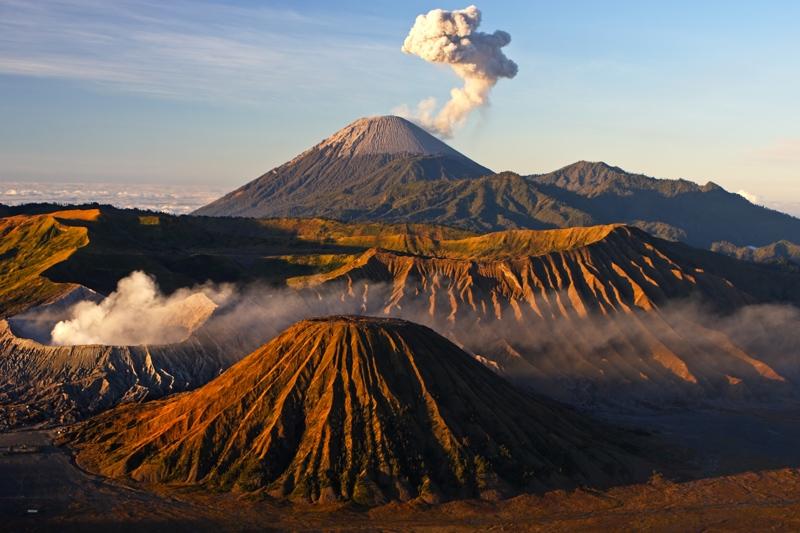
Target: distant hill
(781, 252)
(696, 214)
(594, 179)
(387, 169)
(362, 409)
(674, 210)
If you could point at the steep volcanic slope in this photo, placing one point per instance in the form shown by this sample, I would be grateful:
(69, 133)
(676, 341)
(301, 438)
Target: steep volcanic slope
(360, 409)
(604, 269)
(29, 245)
(363, 160)
(610, 307)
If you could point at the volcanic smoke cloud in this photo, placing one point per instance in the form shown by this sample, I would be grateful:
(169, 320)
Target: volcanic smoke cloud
(138, 313)
(451, 37)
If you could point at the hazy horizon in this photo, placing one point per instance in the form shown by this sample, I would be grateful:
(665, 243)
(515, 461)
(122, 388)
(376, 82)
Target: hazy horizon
(176, 199)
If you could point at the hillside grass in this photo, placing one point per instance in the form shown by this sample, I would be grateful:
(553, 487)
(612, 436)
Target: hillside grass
(29, 245)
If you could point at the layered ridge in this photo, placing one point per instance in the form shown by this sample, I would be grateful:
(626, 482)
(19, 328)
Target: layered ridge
(619, 317)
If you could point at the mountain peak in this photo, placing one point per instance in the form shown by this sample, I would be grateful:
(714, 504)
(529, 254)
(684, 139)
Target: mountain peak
(585, 172)
(591, 165)
(590, 178)
(387, 134)
(407, 413)
(351, 169)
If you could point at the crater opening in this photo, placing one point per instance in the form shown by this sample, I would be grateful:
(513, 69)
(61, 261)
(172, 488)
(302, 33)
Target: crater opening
(136, 313)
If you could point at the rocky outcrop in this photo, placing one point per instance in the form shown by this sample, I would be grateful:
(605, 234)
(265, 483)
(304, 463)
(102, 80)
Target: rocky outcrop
(58, 384)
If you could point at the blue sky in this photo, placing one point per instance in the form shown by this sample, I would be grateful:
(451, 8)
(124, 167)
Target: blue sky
(218, 92)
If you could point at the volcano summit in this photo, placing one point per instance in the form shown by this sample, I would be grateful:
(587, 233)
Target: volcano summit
(362, 409)
(364, 159)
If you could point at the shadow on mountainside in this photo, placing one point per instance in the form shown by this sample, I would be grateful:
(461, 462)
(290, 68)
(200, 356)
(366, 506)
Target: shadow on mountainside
(185, 251)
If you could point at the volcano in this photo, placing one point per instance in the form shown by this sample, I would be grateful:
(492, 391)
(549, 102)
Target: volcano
(389, 170)
(360, 409)
(364, 159)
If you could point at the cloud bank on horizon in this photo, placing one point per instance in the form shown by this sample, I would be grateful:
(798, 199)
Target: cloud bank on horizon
(176, 199)
(451, 38)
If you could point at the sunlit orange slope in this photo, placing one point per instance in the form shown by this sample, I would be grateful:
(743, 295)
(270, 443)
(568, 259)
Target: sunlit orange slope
(29, 245)
(360, 409)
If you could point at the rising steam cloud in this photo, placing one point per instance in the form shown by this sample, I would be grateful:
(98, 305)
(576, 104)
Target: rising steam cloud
(137, 313)
(451, 38)
(758, 345)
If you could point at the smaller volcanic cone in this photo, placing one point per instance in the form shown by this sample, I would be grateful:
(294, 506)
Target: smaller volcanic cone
(360, 409)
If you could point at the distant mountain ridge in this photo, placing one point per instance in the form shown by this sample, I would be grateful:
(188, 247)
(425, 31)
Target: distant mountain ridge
(388, 169)
(783, 251)
(595, 178)
(674, 209)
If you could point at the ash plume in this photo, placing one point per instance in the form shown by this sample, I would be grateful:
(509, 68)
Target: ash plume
(451, 38)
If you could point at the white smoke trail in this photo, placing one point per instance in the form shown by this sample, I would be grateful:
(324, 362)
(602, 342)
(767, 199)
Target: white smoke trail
(451, 37)
(137, 313)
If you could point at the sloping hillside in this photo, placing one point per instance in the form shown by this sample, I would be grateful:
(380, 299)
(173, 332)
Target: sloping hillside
(29, 245)
(582, 194)
(617, 317)
(363, 160)
(781, 252)
(98, 246)
(358, 409)
(387, 169)
(704, 213)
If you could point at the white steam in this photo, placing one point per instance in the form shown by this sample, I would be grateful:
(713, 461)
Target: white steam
(752, 198)
(680, 352)
(137, 313)
(451, 37)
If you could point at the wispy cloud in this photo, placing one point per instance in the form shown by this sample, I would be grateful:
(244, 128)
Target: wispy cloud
(195, 50)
